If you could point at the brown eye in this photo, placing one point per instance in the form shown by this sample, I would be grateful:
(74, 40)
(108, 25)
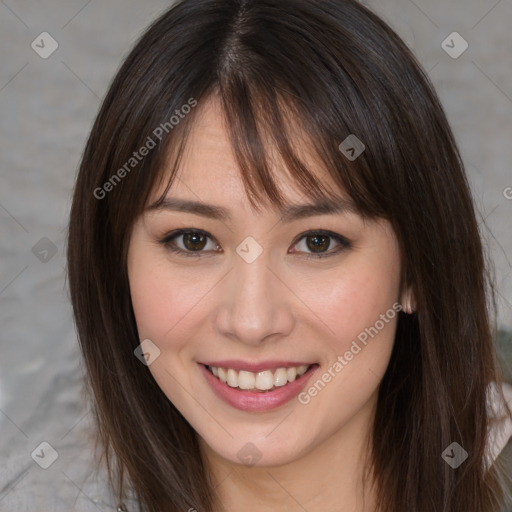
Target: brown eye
(189, 242)
(318, 243)
(315, 244)
(194, 241)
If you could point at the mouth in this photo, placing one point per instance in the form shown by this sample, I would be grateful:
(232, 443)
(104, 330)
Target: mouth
(258, 391)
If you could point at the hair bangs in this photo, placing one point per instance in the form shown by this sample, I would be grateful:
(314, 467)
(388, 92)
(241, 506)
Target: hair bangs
(270, 133)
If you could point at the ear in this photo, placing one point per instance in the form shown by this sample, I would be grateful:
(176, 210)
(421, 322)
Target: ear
(408, 301)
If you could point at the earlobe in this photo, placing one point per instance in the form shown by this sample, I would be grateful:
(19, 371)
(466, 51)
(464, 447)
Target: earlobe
(408, 302)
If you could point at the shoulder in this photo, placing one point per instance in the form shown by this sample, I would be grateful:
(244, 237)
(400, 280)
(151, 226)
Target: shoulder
(501, 428)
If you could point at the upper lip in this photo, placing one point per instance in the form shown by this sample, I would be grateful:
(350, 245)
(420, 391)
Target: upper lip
(237, 364)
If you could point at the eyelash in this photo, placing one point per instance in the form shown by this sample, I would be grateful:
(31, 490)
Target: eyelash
(166, 242)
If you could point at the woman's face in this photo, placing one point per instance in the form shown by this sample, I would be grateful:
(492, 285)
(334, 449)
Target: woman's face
(247, 292)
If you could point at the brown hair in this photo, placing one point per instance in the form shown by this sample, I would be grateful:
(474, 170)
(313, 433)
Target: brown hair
(338, 70)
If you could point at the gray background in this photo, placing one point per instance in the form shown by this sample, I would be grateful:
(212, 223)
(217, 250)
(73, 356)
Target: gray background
(47, 107)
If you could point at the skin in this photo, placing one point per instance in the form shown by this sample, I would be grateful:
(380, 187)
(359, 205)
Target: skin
(281, 306)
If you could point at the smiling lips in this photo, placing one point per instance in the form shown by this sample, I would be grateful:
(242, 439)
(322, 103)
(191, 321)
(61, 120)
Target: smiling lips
(257, 387)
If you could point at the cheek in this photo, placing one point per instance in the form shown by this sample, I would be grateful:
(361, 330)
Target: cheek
(355, 355)
(355, 299)
(163, 299)
(151, 297)
(360, 308)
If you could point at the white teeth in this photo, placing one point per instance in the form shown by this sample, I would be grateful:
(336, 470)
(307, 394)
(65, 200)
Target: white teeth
(262, 381)
(301, 370)
(246, 380)
(280, 377)
(222, 374)
(232, 378)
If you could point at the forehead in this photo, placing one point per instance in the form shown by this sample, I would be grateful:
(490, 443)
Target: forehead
(208, 168)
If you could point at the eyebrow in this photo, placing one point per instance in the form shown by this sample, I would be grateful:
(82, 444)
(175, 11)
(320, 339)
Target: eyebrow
(288, 214)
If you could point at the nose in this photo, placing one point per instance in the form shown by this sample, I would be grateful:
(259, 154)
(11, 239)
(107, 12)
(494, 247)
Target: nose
(256, 303)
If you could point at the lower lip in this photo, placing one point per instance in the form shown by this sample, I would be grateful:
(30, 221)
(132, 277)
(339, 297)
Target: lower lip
(255, 401)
